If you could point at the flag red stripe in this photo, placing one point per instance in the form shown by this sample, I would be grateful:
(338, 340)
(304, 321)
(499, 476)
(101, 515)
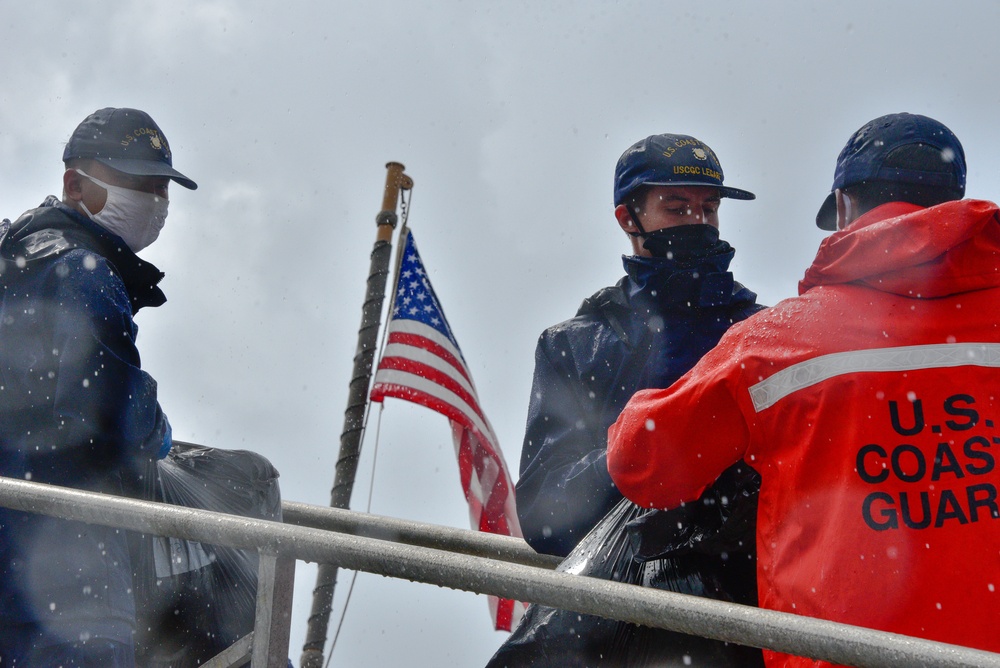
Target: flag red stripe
(465, 459)
(418, 341)
(392, 377)
(433, 375)
(505, 610)
(430, 401)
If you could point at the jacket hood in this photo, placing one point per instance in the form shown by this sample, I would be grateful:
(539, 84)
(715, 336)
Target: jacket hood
(913, 251)
(54, 228)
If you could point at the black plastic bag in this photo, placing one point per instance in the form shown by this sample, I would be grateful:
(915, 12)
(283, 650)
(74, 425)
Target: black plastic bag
(704, 548)
(194, 600)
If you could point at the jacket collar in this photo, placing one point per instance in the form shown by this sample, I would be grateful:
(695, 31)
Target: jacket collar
(667, 284)
(54, 228)
(627, 307)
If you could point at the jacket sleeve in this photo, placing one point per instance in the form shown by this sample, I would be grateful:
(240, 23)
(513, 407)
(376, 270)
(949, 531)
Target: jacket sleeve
(564, 487)
(104, 404)
(668, 446)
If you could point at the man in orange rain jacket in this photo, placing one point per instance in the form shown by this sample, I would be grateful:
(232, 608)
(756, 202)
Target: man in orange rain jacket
(870, 405)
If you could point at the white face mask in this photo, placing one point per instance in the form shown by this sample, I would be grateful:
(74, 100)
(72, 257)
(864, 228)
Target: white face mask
(135, 216)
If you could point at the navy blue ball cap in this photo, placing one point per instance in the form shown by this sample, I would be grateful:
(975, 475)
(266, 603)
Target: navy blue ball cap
(127, 140)
(868, 151)
(670, 160)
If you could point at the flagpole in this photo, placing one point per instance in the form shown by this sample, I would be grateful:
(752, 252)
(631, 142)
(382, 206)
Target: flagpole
(357, 401)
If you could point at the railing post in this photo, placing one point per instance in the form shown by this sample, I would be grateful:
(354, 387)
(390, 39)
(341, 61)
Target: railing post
(267, 644)
(272, 628)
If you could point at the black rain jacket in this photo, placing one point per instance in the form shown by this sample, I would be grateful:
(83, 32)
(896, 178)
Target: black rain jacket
(623, 339)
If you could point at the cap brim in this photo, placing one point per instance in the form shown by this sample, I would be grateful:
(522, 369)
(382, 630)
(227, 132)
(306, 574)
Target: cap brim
(148, 168)
(826, 219)
(724, 191)
(736, 193)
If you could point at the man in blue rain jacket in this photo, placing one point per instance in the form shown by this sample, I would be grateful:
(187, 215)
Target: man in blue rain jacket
(75, 407)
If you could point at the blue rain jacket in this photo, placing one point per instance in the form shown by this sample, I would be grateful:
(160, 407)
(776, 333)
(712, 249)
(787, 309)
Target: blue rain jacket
(644, 332)
(75, 410)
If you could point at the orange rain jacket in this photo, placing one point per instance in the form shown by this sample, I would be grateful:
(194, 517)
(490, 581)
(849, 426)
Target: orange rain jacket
(870, 404)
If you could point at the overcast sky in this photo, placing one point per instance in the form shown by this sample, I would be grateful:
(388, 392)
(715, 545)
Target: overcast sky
(509, 117)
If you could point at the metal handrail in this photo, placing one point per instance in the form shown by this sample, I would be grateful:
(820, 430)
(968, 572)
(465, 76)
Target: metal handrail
(783, 632)
(449, 539)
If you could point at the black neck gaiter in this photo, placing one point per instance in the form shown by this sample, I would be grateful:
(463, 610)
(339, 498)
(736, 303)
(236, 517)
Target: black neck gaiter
(688, 245)
(690, 266)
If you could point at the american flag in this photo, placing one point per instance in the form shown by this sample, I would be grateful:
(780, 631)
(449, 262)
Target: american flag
(421, 362)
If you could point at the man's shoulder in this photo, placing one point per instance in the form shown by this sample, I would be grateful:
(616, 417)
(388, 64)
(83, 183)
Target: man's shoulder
(39, 233)
(594, 308)
(45, 241)
(772, 328)
(603, 319)
(46, 265)
(83, 274)
(578, 325)
(614, 296)
(54, 235)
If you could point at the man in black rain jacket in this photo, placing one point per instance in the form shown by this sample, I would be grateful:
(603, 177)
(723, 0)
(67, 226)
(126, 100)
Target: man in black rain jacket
(674, 304)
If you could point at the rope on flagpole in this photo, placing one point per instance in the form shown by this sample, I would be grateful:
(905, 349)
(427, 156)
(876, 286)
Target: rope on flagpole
(357, 404)
(368, 509)
(404, 207)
